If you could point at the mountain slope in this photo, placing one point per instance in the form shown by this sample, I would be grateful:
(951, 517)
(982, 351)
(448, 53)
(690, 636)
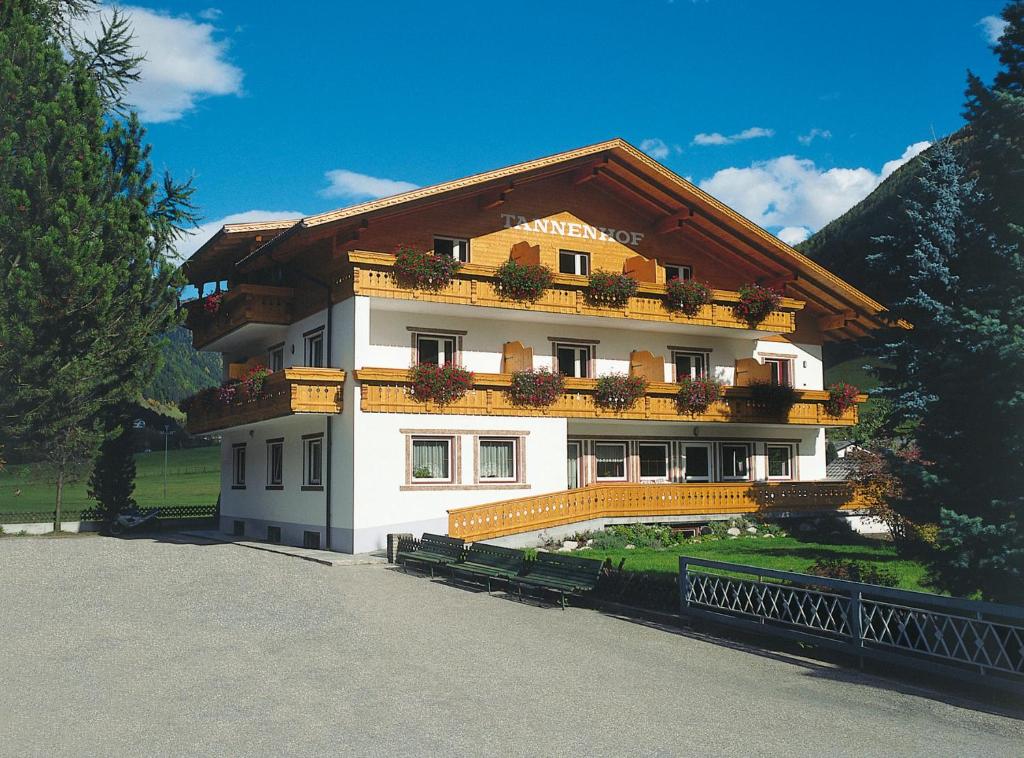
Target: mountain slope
(183, 370)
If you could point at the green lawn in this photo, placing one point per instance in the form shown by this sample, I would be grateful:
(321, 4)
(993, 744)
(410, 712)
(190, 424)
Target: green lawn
(783, 553)
(193, 478)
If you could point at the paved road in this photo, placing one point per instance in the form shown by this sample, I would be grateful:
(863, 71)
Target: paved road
(112, 647)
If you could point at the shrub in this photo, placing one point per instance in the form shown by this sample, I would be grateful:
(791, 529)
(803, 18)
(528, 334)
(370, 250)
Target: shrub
(212, 303)
(254, 381)
(841, 397)
(518, 281)
(536, 387)
(697, 395)
(424, 270)
(618, 391)
(610, 290)
(442, 384)
(687, 296)
(854, 571)
(777, 398)
(756, 302)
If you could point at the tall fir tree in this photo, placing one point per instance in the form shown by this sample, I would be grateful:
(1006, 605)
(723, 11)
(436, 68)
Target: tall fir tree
(112, 483)
(85, 283)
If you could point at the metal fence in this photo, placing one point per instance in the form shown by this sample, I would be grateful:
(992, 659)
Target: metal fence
(969, 639)
(166, 513)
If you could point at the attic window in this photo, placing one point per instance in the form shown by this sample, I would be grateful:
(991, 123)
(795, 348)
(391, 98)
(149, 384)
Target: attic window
(673, 271)
(452, 247)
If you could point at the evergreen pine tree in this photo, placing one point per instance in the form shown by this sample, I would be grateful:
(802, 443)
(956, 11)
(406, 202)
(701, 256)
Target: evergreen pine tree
(113, 477)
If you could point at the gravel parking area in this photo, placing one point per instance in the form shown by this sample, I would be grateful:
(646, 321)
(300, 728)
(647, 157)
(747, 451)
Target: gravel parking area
(140, 647)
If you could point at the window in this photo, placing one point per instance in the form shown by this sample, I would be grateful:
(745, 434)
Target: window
(781, 370)
(697, 463)
(238, 467)
(690, 364)
(611, 460)
(275, 464)
(436, 349)
(452, 246)
(780, 461)
(570, 262)
(274, 534)
(275, 357)
(653, 460)
(238, 528)
(311, 540)
(573, 459)
(431, 459)
(497, 460)
(573, 360)
(314, 352)
(677, 272)
(313, 461)
(735, 462)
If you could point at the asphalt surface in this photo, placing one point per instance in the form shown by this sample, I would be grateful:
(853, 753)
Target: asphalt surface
(137, 647)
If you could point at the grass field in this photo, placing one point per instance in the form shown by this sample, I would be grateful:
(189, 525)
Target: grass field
(782, 553)
(193, 478)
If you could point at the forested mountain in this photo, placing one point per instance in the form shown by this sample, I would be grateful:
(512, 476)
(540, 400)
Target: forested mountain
(183, 370)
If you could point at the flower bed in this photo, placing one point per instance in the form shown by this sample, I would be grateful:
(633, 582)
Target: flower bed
(619, 392)
(538, 388)
(696, 395)
(610, 290)
(254, 381)
(525, 282)
(841, 397)
(424, 270)
(778, 398)
(756, 303)
(687, 296)
(441, 384)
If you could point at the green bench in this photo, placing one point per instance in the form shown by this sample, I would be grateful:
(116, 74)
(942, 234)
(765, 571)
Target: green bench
(433, 550)
(489, 562)
(559, 573)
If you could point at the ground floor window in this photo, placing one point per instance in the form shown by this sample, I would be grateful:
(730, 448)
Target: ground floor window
(735, 461)
(275, 463)
(697, 463)
(611, 461)
(653, 458)
(431, 459)
(497, 460)
(238, 466)
(313, 461)
(780, 461)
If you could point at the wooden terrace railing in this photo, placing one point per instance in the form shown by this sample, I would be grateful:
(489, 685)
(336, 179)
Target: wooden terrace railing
(241, 305)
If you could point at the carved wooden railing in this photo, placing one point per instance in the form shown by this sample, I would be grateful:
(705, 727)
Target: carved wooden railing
(474, 284)
(293, 390)
(386, 390)
(526, 514)
(244, 304)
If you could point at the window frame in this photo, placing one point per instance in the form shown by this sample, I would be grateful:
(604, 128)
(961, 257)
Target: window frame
(463, 240)
(785, 365)
(272, 445)
(639, 461)
(577, 256)
(516, 442)
(238, 451)
(442, 340)
(707, 448)
(703, 355)
(790, 461)
(625, 462)
(722, 459)
(681, 267)
(586, 365)
(450, 447)
(273, 352)
(310, 338)
(310, 441)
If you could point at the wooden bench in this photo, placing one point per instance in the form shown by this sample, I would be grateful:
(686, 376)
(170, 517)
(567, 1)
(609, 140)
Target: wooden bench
(559, 573)
(433, 550)
(488, 562)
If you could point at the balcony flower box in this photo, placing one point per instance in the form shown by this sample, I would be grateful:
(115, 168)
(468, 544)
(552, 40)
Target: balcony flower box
(618, 392)
(537, 388)
(523, 282)
(696, 395)
(756, 303)
(610, 290)
(687, 296)
(419, 269)
(440, 384)
(841, 397)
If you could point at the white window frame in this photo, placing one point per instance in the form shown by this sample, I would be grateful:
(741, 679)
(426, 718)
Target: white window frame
(722, 459)
(238, 458)
(785, 366)
(580, 349)
(639, 463)
(681, 272)
(704, 360)
(515, 441)
(625, 462)
(441, 340)
(790, 460)
(271, 446)
(578, 257)
(275, 352)
(413, 479)
(706, 447)
(578, 445)
(310, 339)
(308, 445)
(461, 255)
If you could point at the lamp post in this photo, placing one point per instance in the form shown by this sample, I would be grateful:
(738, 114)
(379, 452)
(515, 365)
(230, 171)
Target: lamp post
(167, 434)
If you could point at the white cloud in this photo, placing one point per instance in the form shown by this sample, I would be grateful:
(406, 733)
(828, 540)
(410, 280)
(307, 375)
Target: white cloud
(349, 184)
(793, 192)
(184, 62)
(203, 232)
(210, 14)
(716, 138)
(656, 148)
(992, 27)
(815, 133)
(793, 235)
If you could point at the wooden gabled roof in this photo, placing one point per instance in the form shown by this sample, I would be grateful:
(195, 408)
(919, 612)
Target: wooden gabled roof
(672, 201)
(230, 244)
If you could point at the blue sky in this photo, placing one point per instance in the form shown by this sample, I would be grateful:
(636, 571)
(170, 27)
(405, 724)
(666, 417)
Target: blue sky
(787, 111)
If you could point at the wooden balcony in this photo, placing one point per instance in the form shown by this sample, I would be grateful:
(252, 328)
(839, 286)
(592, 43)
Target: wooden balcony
(293, 390)
(244, 304)
(526, 514)
(474, 284)
(387, 391)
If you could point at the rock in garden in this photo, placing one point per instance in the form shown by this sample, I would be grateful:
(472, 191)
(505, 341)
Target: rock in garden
(752, 530)
(733, 531)
(630, 547)
(570, 545)
(771, 536)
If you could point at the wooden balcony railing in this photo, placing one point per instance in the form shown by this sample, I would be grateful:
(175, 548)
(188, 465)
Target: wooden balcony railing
(386, 390)
(293, 390)
(241, 305)
(474, 284)
(526, 514)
